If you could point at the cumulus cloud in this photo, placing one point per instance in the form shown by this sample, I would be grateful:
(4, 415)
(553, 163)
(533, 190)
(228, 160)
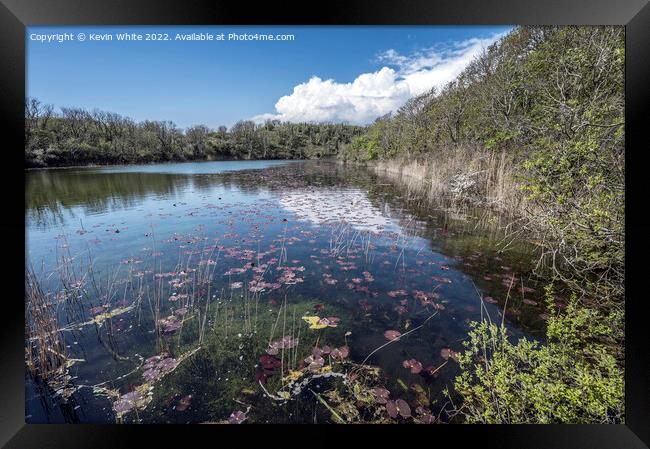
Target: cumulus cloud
(371, 95)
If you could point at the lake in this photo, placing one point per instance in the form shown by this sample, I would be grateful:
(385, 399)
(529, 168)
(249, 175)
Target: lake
(258, 291)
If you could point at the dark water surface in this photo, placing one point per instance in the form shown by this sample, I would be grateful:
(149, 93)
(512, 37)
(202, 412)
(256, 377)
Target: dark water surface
(203, 264)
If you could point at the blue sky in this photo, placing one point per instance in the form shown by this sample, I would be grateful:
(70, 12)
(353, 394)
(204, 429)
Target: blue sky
(334, 74)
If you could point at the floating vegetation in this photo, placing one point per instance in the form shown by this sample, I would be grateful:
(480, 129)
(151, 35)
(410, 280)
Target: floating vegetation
(448, 353)
(184, 403)
(132, 400)
(234, 309)
(398, 408)
(392, 335)
(286, 342)
(45, 349)
(141, 395)
(99, 318)
(237, 417)
(157, 366)
(316, 322)
(413, 365)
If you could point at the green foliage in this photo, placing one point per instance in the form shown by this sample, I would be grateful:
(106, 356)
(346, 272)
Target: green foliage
(79, 137)
(500, 138)
(552, 99)
(366, 145)
(575, 170)
(573, 378)
(580, 189)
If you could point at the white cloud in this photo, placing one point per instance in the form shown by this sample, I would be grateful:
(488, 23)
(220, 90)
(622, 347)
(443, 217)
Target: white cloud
(372, 95)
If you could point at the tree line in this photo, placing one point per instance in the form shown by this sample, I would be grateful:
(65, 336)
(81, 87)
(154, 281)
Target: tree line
(75, 136)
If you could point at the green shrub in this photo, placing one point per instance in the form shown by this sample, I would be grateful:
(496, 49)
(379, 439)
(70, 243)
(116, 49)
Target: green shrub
(364, 147)
(573, 378)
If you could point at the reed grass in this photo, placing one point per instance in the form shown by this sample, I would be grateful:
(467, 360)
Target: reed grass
(45, 348)
(491, 177)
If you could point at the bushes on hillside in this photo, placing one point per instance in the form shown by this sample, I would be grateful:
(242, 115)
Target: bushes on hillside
(552, 100)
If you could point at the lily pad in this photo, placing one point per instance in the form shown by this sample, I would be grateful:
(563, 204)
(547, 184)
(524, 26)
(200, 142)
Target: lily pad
(381, 395)
(237, 417)
(403, 408)
(184, 403)
(392, 335)
(391, 408)
(448, 353)
(412, 364)
(314, 322)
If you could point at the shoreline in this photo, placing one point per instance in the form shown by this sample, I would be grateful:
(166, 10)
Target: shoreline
(65, 167)
(492, 187)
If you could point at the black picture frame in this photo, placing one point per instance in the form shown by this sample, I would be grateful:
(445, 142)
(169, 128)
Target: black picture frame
(15, 15)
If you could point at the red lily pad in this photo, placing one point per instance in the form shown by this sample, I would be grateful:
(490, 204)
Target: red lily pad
(448, 353)
(391, 408)
(381, 395)
(403, 408)
(184, 403)
(412, 364)
(341, 353)
(392, 335)
(237, 417)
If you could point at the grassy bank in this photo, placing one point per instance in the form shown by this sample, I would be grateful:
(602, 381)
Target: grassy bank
(468, 174)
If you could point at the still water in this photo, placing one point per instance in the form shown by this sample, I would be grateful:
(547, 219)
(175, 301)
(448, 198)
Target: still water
(260, 291)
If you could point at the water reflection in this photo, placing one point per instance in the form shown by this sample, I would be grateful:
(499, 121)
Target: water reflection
(321, 237)
(51, 195)
(323, 206)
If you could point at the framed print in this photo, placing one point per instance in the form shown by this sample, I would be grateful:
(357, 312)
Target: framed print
(367, 213)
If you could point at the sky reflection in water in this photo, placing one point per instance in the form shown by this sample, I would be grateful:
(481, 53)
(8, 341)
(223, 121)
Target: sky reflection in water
(348, 240)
